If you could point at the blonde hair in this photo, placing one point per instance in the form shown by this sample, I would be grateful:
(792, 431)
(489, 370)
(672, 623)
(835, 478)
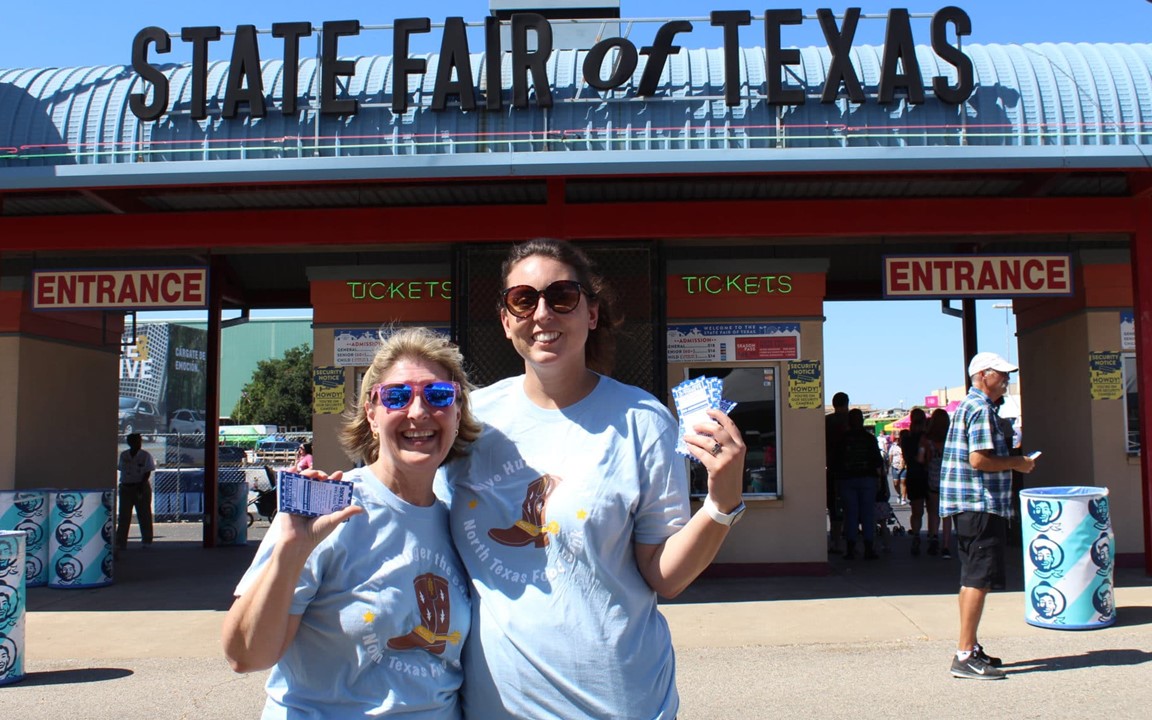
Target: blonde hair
(416, 344)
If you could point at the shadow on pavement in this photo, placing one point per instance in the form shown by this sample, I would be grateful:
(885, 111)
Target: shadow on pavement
(1091, 659)
(74, 676)
(176, 573)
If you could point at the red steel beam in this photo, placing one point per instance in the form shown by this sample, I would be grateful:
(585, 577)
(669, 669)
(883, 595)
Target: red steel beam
(504, 223)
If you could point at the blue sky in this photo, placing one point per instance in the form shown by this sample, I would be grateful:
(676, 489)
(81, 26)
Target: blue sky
(886, 354)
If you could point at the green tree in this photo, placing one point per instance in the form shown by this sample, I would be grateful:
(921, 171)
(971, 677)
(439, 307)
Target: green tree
(280, 392)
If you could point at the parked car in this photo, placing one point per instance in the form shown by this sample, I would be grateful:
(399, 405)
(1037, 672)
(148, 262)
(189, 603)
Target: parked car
(231, 456)
(138, 416)
(187, 422)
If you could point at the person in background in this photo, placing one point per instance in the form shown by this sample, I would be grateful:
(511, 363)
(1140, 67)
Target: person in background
(303, 458)
(571, 511)
(916, 475)
(976, 491)
(364, 612)
(835, 426)
(931, 455)
(136, 466)
(896, 470)
(861, 483)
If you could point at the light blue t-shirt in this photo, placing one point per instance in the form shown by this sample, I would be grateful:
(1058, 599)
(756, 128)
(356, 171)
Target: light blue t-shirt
(545, 509)
(386, 611)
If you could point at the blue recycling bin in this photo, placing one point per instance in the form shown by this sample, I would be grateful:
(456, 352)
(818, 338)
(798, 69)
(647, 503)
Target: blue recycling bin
(1069, 558)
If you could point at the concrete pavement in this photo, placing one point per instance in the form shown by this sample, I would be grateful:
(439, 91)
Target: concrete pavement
(869, 640)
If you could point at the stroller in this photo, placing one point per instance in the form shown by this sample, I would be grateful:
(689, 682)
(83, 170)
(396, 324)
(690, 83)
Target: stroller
(887, 524)
(263, 502)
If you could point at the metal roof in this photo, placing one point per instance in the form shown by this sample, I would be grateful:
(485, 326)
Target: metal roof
(1057, 106)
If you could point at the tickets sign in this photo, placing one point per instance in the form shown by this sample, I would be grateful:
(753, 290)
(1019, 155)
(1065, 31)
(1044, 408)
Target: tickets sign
(994, 276)
(129, 289)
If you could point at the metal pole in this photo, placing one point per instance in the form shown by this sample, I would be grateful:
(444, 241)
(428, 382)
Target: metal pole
(1141, 251)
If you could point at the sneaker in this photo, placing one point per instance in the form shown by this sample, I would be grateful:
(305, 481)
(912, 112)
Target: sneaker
(946, 553)
(933, 546)
(975, 668)
(993, 661)
(916, 545)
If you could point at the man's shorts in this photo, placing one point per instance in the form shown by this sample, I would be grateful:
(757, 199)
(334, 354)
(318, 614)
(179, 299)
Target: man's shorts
(981, 538)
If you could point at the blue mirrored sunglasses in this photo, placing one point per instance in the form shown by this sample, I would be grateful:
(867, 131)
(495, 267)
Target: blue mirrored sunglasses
(397, 396)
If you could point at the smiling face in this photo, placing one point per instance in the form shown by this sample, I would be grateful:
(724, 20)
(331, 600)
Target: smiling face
(419, 436)
(547, 339)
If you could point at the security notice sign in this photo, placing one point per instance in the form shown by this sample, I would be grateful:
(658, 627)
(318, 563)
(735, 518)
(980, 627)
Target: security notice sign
(994, 276)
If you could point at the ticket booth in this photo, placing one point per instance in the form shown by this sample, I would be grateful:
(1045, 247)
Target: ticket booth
(758, 326)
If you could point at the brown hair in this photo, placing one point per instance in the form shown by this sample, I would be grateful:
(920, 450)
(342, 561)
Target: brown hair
(417, 344)
(938, 425)
(600, 350)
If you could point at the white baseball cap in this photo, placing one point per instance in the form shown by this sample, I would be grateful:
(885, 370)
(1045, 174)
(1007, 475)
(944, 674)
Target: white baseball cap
(990, 361)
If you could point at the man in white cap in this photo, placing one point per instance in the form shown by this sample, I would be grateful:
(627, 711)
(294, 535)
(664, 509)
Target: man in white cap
(976, 491)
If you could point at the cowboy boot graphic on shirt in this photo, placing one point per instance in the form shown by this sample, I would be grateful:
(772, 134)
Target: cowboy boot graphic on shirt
(531, 528)
(436, 614)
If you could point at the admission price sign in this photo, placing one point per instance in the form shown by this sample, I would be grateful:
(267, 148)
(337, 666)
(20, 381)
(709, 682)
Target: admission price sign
(733, 342)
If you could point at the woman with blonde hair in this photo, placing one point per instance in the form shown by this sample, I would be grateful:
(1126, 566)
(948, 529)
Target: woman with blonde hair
(364, 611)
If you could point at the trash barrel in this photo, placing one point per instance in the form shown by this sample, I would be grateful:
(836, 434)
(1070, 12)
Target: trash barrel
(1068, 558)
(231, 508)
(12, 602)
(80, 539)
(27, 510)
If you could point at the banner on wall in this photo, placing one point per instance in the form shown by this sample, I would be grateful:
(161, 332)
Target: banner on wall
(1106, 376)
(1127, 331)
(733, 342)
(327, 390)
(805, 385)
(355, 347)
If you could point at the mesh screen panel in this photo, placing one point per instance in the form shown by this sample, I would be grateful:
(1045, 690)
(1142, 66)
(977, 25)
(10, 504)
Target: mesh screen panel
(631, 270)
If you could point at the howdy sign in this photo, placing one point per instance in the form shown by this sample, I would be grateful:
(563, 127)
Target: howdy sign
(997, 276)
(124, 289)
(531, 47)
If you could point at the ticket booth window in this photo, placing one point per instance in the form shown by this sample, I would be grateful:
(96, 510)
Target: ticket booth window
(756, 394)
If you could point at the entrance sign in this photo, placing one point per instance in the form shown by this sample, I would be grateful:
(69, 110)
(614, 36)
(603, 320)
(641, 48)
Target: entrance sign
(997, 276)
(166, 288)
(744, 342)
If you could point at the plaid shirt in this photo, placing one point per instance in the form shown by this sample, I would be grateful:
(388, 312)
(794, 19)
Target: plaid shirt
(975, 426)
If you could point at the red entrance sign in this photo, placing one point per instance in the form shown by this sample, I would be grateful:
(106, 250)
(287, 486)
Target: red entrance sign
(998, 276)
(766, 348)
(125, 289)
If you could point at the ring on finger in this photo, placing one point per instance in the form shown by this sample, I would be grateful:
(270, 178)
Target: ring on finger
(716, 448)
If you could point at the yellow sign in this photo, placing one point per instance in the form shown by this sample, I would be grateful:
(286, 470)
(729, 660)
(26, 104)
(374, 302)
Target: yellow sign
(1106, 378)
(805, 385)
(327, 390)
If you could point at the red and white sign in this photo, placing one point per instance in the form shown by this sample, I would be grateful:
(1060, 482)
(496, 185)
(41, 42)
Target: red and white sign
(122, 289)
(996, 276)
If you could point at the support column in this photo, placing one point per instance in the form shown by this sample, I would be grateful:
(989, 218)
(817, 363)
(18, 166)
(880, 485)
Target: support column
(212, 401)
(1141, 249)
(968, 319)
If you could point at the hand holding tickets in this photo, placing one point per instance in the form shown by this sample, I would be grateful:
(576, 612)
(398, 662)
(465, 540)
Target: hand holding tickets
(300, 495)
(693, 399)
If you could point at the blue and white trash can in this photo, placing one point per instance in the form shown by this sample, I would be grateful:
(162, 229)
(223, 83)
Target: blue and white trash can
(80, 539)
(27, 510)
(231, 508)
(12, 603)
(1068, 558)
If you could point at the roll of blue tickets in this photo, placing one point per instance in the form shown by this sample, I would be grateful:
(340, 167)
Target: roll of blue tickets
(27, 510)
(80, 541)
(12, 602)
(232, 509)
(1068, 558)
